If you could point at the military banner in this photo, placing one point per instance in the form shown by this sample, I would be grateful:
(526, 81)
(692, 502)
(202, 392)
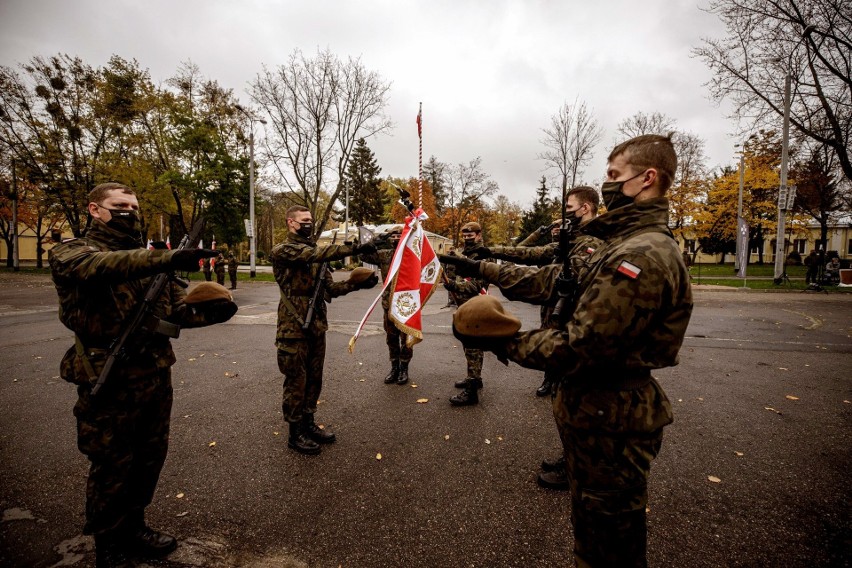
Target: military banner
(412, 276)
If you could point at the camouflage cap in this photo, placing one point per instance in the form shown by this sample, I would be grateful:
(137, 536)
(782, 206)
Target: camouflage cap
(360, 275)
(484, 316)
(472, 226)
(208, 292)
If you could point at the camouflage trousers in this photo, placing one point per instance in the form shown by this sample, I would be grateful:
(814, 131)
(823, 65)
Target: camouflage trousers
(610, 438)
(125, 435)
(233, 277)
(474, 362)
(398, 349)
(301, 362)
(220, 278)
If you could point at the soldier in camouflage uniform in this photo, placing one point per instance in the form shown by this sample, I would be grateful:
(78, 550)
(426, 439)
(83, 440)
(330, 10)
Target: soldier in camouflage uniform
(296, 263)
(207, 269)
(463, 288)
(100, 279)
(581, 203)
(631, 315)
(232, 269)
(219, 268)
(398, 349)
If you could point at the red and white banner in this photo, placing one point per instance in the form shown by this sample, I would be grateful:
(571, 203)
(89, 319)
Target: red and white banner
(412, 276)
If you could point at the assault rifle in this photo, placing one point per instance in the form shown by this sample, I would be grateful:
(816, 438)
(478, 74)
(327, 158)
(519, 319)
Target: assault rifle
(318, 294)
(143, 321)
(566, 283)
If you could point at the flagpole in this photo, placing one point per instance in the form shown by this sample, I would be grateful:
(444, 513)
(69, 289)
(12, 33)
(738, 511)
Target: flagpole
(420, 158)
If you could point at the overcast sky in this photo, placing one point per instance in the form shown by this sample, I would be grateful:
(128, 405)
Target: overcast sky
(490, 73)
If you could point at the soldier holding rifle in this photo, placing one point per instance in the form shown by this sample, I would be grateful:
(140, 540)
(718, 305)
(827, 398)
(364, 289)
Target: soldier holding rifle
(633, 304)
(300, 267)
(123, 304)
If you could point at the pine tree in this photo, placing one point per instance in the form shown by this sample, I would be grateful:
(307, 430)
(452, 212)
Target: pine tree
(362, 178)
(541, 212)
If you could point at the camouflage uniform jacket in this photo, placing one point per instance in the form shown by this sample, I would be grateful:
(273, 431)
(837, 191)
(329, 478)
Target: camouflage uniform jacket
(100, 280)
(634, 305)
(531, 256)
(538, 285)
(296, 263)
(466, 288)
(232, 265)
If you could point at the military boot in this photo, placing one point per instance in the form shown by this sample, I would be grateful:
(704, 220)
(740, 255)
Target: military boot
(142, 540)
(403, 373)
(393, 376)
(544, 389)
(300, 441)
(110, 552)
(469, 396)
(556, 478)
(462, 384)
(314, 432)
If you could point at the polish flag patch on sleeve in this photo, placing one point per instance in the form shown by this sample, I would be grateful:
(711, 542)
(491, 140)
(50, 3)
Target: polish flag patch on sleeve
(629, 270)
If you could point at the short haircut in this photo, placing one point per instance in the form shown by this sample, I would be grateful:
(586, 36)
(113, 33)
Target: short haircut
(101, 191)
(585, 194)
(291, 213)
(650, 151)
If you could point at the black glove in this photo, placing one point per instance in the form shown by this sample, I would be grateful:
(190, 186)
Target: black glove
(464, 266)
(366, 248)
(450, 286)
(186, 260)
(478, 253)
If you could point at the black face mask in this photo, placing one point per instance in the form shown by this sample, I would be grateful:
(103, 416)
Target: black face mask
(125, 221)
(612, 194)
(305, 230)
(468, 243)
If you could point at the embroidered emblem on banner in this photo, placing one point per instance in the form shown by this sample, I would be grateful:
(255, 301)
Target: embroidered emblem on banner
(629, 270)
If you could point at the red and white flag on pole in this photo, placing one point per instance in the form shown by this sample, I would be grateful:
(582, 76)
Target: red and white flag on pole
(412, 276)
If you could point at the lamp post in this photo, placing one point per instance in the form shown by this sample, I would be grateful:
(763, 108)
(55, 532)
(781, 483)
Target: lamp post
(253, 236)
(785, 202)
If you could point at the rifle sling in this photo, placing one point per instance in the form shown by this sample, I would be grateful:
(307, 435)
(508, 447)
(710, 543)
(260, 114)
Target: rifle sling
(292, 309)
(81, 353)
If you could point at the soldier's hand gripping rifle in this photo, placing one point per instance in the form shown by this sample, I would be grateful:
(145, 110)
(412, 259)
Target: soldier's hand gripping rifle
(143, 321)
(318, 294)
(566, 283)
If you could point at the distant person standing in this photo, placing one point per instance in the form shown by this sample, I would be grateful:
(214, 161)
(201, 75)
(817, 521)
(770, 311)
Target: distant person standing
(232, 269)
(219, 267)
(207, 269)
(812, 264)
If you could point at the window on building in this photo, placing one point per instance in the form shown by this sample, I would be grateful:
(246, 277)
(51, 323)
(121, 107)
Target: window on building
(849, 247)
(689, 245)
(799, 245)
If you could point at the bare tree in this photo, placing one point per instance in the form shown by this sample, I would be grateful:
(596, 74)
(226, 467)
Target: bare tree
(318, 109)
(640, 124)
(689, 185)
(767, 39)
(570, 140)
(466, 187)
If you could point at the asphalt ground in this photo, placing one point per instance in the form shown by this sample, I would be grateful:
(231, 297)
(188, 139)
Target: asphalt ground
(762, 399)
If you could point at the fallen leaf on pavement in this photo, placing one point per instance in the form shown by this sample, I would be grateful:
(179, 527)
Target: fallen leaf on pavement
(714, 479)
(772, 409)
(378, 456)
(179, 496)
(211, 444)
(185, 513)
(422, 400)
(791, 397)
(739, 453)
(446, 436)
(487, 441)
(783, 369)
